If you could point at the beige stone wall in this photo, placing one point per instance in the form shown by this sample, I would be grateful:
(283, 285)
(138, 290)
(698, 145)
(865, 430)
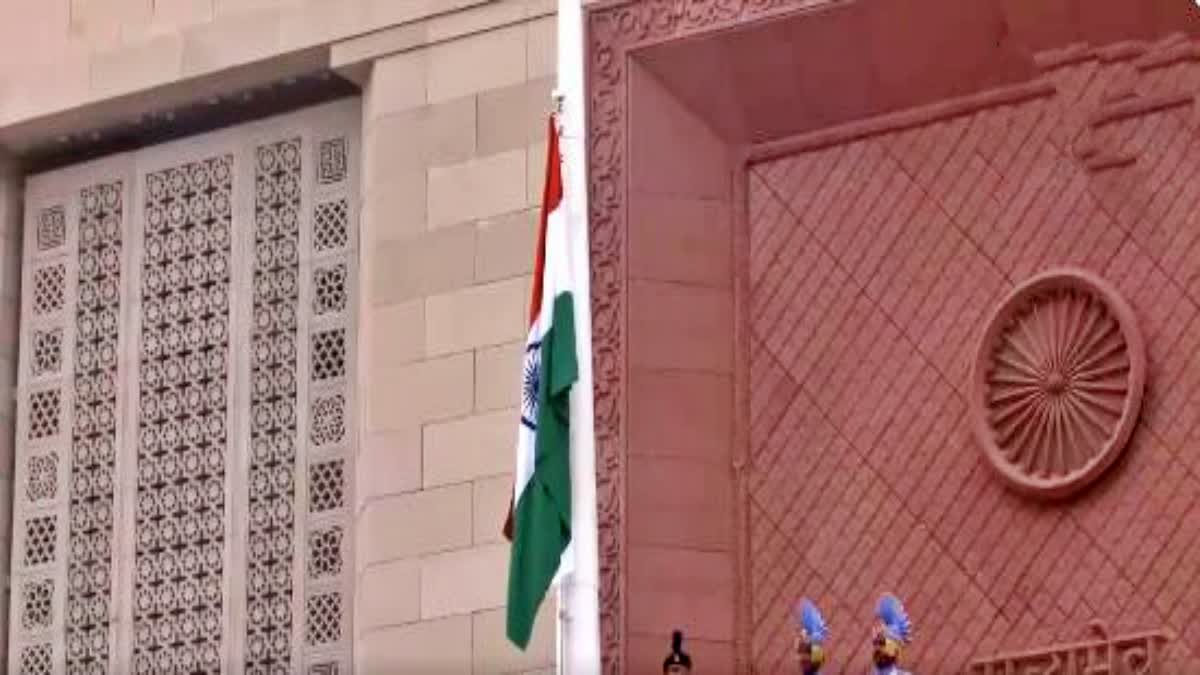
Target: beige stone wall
(11, 218)
(59, 54)
(455, 97)
(455, 152)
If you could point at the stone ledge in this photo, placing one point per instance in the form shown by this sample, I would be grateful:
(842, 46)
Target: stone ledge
(303, 39)
(361, 50)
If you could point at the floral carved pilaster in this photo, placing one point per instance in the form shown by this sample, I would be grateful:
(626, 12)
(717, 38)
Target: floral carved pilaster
(606, 118)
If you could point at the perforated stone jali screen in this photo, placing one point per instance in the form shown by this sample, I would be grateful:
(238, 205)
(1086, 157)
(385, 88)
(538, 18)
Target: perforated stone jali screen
(189, 329)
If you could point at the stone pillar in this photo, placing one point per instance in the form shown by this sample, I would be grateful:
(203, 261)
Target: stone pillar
(454, 151)
(11, 220)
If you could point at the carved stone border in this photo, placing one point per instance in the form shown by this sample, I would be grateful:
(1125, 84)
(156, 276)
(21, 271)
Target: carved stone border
(614, 28)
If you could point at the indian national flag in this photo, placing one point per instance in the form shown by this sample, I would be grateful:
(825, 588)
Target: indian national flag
(539, 519)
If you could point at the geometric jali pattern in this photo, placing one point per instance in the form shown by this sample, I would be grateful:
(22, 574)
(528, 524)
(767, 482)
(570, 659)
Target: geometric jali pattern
(94, 434)
(328, 548)
(328, 419)
(37, 660)
(141, 482)
(36, 608)
(41, 540)
(331, 225)
(46, 351)
(273, 433)
(45, 413)
(329, 289)
(41, 477)
(328, 354)
(323, 623)
(325, 552)
(327, 485)
(49, 288)
(872, 267)
(178, 608)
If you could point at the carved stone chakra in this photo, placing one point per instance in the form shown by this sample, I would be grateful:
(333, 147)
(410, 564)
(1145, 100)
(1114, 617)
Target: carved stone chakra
(1058, 383)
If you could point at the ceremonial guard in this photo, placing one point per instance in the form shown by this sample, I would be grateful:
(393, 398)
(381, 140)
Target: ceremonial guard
(893, 633)
(677, 662)
(810, 640)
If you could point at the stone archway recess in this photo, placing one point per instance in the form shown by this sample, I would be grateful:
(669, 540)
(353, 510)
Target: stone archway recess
(616, 28)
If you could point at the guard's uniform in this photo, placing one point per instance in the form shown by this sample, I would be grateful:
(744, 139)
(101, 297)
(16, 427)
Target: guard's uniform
(894, 632)
(812, 632)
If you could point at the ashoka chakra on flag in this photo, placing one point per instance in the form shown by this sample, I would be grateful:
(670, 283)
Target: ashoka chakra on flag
(531, 375)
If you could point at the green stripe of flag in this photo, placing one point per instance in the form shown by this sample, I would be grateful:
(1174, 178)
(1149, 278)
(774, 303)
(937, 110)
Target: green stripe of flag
(543, 514)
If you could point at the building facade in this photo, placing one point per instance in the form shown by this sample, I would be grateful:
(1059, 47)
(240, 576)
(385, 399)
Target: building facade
(886, 296)
(896, 297)
(265, 273)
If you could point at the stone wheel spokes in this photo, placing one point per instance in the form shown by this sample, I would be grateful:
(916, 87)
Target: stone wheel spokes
(1058, 382)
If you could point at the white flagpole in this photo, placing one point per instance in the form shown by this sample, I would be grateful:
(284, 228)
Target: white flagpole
(579, 610)
(560, 618)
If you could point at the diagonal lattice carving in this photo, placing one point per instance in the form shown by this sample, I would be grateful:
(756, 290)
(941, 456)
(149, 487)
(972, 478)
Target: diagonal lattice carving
(327, 485)
(323, 618)
(41, 540)
(49, 288)
(37, 659)
(331, 225)
(874, 267)
(45, 414)
(328, 354)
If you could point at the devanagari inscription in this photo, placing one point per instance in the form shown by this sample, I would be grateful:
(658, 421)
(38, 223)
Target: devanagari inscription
(1134, 654)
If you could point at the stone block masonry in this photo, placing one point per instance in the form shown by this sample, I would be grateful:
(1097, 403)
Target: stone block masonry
(455, 94)
(451, 196)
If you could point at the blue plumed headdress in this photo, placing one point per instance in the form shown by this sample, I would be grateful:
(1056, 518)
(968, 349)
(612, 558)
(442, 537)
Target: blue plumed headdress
(813, 630)
(893, 620)
(810, 621)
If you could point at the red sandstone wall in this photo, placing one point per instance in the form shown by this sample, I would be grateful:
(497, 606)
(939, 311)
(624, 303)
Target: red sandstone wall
(873, 266)
(680, 539)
